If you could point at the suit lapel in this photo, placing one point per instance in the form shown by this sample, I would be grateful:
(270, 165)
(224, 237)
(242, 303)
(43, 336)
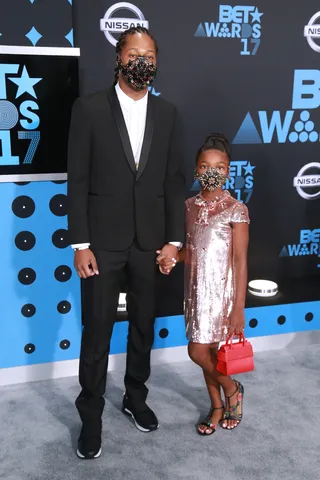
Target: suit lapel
(118, 116)
(148, 133)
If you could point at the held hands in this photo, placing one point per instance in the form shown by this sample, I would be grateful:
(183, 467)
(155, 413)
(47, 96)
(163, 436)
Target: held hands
(85, 263)
(236, 322)
(167, 258)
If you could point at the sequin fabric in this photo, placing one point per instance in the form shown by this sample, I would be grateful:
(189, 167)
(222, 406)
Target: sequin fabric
(209, 270)
(140, 72)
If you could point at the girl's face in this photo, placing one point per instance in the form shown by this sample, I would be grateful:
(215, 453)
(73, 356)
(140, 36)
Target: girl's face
(215, 159)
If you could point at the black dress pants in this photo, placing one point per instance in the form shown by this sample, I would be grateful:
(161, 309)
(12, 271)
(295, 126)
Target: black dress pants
(100, 295)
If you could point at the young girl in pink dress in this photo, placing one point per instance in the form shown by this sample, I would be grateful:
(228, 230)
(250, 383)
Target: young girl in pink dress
(215, 258)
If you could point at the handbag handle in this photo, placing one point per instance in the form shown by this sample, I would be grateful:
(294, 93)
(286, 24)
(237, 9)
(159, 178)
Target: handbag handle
(230, 338)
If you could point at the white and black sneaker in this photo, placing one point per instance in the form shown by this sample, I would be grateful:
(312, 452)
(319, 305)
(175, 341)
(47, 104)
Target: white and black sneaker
(143, 417)
(89, 448)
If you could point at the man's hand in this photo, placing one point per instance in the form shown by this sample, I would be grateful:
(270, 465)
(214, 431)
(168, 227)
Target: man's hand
(85, 263)
(167, 258)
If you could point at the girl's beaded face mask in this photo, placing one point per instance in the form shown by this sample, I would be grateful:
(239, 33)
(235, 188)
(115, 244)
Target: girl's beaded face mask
(211, 179)
(139, 72)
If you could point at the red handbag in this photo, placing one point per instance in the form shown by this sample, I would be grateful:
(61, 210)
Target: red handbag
(235, 358)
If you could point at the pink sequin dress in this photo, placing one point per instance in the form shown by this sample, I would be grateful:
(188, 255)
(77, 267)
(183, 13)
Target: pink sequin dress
(209, 270)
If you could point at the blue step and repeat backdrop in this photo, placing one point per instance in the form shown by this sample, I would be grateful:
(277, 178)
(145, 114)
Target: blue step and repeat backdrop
(250, 71)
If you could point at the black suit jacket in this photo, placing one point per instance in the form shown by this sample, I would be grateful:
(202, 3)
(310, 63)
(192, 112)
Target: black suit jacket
(110, 203)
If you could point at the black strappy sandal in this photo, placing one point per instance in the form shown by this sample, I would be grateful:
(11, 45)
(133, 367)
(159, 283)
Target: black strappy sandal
(207, 424)
(231, 411)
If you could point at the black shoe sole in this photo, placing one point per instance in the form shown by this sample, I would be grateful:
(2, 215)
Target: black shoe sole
(97, 455)
(128, 412)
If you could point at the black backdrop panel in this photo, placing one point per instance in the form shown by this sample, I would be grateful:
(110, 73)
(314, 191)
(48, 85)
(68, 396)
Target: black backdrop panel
(36, 96)
(44, 23)
(36, 23)
(243, 70)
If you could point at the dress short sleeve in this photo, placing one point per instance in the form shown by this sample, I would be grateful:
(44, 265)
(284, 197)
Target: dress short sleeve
(240, 214)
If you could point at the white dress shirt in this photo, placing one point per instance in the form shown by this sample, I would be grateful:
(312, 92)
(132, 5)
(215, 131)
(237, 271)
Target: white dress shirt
(135, 114)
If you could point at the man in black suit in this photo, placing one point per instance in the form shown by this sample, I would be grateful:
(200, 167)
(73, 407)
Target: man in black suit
(126, 201)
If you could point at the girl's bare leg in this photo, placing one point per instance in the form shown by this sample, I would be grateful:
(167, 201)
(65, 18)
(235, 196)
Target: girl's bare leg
(204, 355)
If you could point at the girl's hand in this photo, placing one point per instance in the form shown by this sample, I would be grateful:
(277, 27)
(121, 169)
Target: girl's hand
(166, 264)
(236, 322)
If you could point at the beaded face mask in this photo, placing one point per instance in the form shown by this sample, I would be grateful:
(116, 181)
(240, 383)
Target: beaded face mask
(210, 179)
(139, 72)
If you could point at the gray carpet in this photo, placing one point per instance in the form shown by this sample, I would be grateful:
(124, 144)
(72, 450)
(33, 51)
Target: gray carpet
(278, 439)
